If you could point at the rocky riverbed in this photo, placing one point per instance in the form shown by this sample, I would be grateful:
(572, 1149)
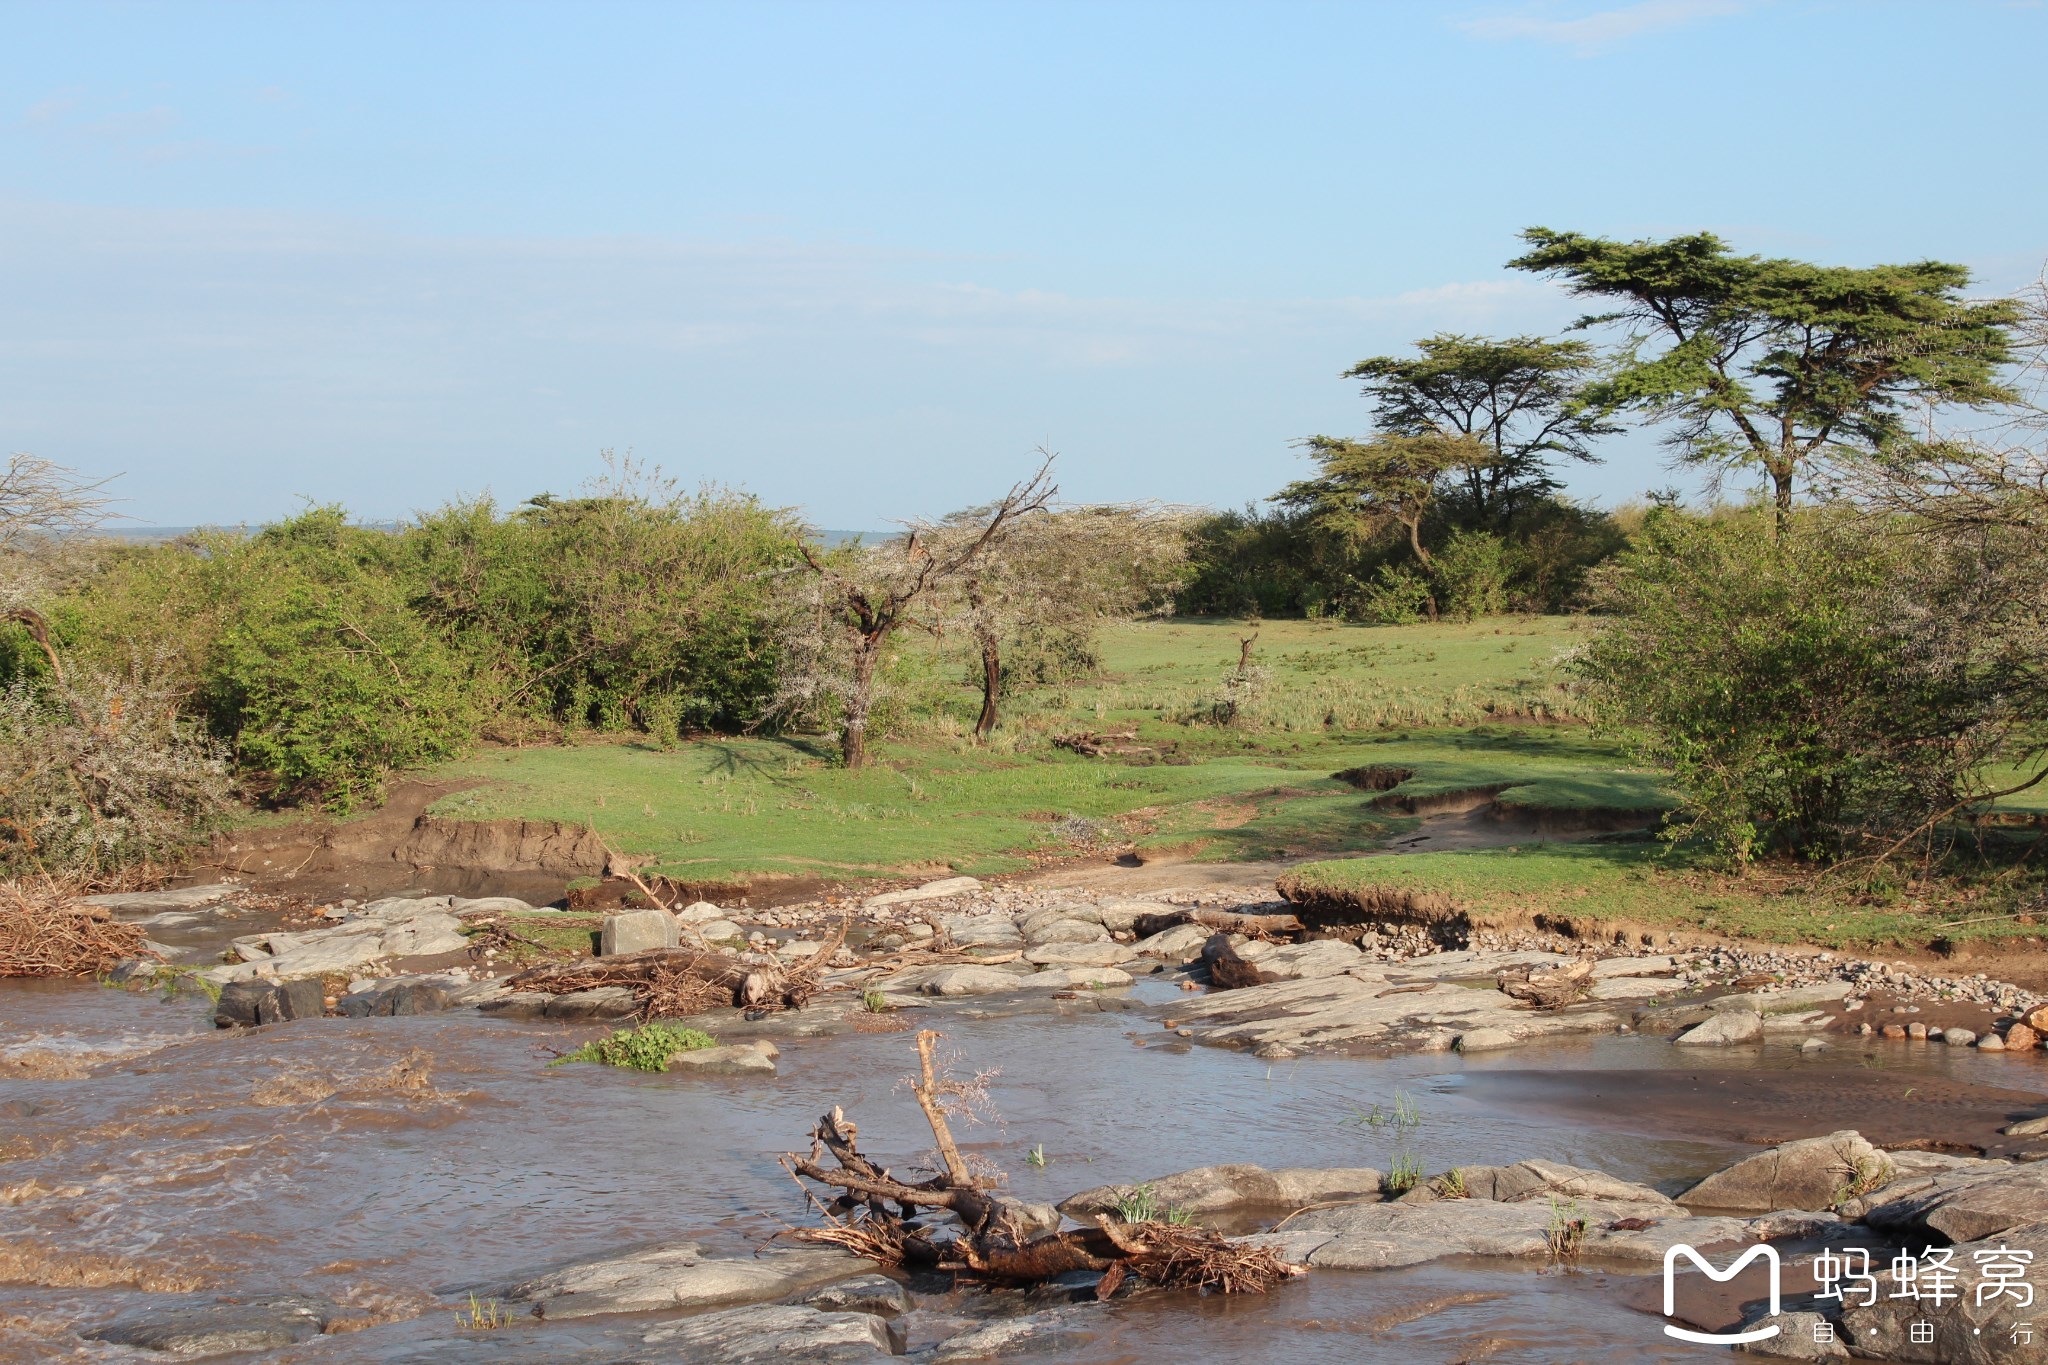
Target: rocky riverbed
(384, 1167)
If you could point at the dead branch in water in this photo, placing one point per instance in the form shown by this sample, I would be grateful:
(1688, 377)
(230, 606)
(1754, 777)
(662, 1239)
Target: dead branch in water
(671, 983)
(45, 932)
(1228, 970)
(874, 1213)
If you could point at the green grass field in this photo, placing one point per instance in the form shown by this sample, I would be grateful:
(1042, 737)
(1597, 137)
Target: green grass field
(736, 809)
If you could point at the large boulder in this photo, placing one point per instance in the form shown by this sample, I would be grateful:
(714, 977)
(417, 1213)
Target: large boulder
(1101, 953)
(1971, 1330)
(1812, 1173)
(1304, 961)
(734, 1059)
(1963, 1205)
(219, 1326)
(976, 981)
(1062, 931)
(1179, 943)
(1723, 1027)
(665, 1276)
(1209, 1190)
(246, 1003)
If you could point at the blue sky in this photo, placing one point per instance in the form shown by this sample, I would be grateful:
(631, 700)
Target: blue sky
(861, 258)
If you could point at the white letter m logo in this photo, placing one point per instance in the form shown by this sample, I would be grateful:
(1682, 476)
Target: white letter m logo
(1769, 1254)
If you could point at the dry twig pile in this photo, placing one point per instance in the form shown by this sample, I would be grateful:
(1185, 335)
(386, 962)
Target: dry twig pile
(45, 932)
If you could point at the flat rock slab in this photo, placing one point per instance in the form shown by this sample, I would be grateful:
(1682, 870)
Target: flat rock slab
(769, 1334)
(1227, 1189)
(127, 904)
(774, 1334)
(736, 1059)
(637, 931)
(220, 1326)
(1966, 1331)
(1100, 953)
(599, 1004)
(1962, 1206)
(1383, 1236)
(1364, 1004)
(930, 891)
(667, 1275)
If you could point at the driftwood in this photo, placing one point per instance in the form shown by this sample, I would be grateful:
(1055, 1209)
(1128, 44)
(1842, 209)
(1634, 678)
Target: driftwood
(1222, 921)
(672, 982)
(872, 1212)
(1093, 744)
(1547, 986)
(1227, 970)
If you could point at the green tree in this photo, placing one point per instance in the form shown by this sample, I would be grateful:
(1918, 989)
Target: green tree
(1777, 364)
(1516, 395)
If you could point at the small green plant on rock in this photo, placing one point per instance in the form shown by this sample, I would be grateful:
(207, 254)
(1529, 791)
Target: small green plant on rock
(1451, 1184)
(483, 1315)
(1865, 1173)
(1035, 1158)
(1405, 1176)
(874, 1001)
(1141, 1205)
(649, 1047)
(1567, 1233)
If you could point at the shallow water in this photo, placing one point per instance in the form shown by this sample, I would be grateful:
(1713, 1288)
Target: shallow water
(372, 1160)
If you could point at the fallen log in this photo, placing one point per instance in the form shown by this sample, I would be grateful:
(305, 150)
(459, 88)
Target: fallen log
(874, 1213)
(1548, 986)
(1251, 926)
(1228, 971)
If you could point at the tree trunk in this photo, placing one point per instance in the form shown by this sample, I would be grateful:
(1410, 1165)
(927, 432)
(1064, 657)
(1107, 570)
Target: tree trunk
(1781, 485)
(991, 684)
(853, 735)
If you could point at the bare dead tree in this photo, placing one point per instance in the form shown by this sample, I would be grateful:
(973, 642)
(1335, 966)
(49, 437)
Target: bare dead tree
(859, 599)
(42, 506)
(1058, 579)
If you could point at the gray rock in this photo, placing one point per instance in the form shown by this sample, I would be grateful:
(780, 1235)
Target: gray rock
(772, 1334)
(637, 931)
(596, 1005)
(983, 931)
(1958, 1037)
(244, 1003)
(1121, 917)
(1383, 1236)
(1812, 1173)
(699, 912)
(1724, 1027)
(494, 905)
(877, 1294)
(1010, 1337)
(666, 1275)
(716, 931)
(938, 890)
(1212, 1190)
(1305, 961)
(1181, 943)
(518, 1005)
(1084, 978)
(755, 1058)
(1795, 1339)
(218, 1326)
(2027, 1127)
(976, 981)
(1061, 931)
(1526, 1181)
(1966, 1332)
(1486, 1040)
(1965, 1205)
(1101, 953)
(126, 904)
(422, 995)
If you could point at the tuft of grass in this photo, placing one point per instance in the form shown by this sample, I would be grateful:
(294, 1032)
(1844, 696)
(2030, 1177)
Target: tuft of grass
(1405, 1176)
(1566, 1235)
(1451, 1184)
(1865, 1173)
(650, 1047)
(1404, 1115)
(874, 1001)
(1141, 1205)
(1035, 1158)
(483, 1315)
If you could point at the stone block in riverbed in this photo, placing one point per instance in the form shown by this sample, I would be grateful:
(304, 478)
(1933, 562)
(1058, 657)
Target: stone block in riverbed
(666, 1276)
(637, 931)
(246, 1003)
(236, 1323)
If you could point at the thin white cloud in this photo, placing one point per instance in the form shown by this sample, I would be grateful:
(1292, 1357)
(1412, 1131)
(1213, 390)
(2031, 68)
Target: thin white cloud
(1591, 34)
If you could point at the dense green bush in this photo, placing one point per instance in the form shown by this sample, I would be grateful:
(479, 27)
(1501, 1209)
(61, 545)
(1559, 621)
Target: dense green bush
(1473, 568)
(1803, 689)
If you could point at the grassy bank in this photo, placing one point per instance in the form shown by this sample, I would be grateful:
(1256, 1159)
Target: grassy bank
(1263, 787)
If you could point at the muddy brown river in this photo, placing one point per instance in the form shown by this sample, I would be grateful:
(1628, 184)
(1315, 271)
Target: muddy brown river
(143, 1152)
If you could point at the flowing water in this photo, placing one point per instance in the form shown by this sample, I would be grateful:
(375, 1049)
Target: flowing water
(141, 1152)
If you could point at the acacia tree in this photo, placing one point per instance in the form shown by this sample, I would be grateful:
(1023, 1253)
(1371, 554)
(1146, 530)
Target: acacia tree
(43, 507)
(1518, 395)
(1777, 363)
(856, 599)
(1059, 578)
